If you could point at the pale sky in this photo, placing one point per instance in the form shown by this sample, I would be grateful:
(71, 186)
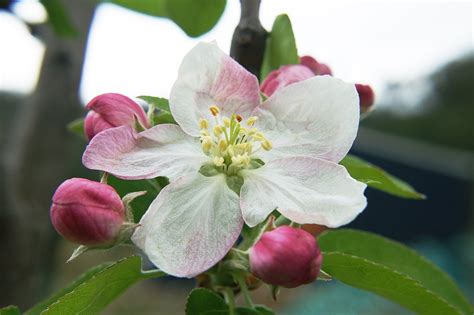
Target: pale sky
(372, 42)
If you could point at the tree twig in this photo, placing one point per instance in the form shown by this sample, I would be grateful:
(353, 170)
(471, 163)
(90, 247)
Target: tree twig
(248, 42)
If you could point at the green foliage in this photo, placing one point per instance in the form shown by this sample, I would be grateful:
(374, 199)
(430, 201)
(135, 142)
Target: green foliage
(139, 205)
(377, 178)
(37, 309)
(203, 301)
(258, 310)
(390, 269)
(280, 48)
(93, 293)
(10, 310)
(163, 116)
(59, 18)
(77, 127)
(194, 17)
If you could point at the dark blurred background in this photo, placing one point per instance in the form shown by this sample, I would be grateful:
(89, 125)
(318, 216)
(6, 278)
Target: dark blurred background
(422, 131)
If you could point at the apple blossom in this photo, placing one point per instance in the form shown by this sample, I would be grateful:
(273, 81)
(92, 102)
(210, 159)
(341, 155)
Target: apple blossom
(112, 110)
(87, 212)
(287, 257)
(232, 159)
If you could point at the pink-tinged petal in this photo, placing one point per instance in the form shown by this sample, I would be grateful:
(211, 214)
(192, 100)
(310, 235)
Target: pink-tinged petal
(164, 150)
(303, 189)
(94, 124)
(208, 77)
(191, 225)
(318, 117)
(285, 76)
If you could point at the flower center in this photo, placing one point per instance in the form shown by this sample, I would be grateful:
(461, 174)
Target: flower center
(230, 143)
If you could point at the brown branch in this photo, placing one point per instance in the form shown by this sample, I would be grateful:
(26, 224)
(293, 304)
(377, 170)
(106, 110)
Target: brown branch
(248, 42)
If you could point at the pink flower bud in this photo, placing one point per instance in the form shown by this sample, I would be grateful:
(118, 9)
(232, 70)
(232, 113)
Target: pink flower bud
(112, 110)
(284, 76)
(87, 212)
(366, 97)
(287, 257)
(316, 67)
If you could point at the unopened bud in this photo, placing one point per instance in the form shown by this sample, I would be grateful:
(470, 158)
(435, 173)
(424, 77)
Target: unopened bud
(87, 212)
(315, 66)
(284, 76)
(366, 97)
(112, 110)
(287, 257)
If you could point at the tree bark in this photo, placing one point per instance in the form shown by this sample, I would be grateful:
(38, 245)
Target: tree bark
(40, 155)
(249, 39)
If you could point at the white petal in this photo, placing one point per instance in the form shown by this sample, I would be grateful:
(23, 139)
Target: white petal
(304, 189)
(191, 225)
(164, 150)
(208, 77)
(318, 117)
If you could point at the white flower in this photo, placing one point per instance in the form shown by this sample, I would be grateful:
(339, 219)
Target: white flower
(300, 134)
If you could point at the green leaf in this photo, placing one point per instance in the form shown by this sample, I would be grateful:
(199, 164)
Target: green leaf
(96, 292)
(280, 48)
(258, 310)
(246, 311)
(59, 18)
(194, 17)
(159, 102)
(252, 235)
(10, 310)
(37, 309)
(392, 270)
(164, 115)
(141, 204)
(203, 301)
(77, 127)
(377, 178)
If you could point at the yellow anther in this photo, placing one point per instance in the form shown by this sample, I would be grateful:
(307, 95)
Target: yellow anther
(226, 122)
(203, 124)
(218, 161)
(214, 110)
(222, 146)
(206, 143)
(253, 131)
(243, 131)
(266, 145)
(251, 121)
(217, 130)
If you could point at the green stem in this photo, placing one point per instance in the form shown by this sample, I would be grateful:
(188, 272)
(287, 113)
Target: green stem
(245, 291)
(150, 274)
(104, 177)
(229, 298)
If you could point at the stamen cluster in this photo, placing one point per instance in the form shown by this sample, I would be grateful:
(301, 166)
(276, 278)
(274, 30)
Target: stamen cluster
(229, 143)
